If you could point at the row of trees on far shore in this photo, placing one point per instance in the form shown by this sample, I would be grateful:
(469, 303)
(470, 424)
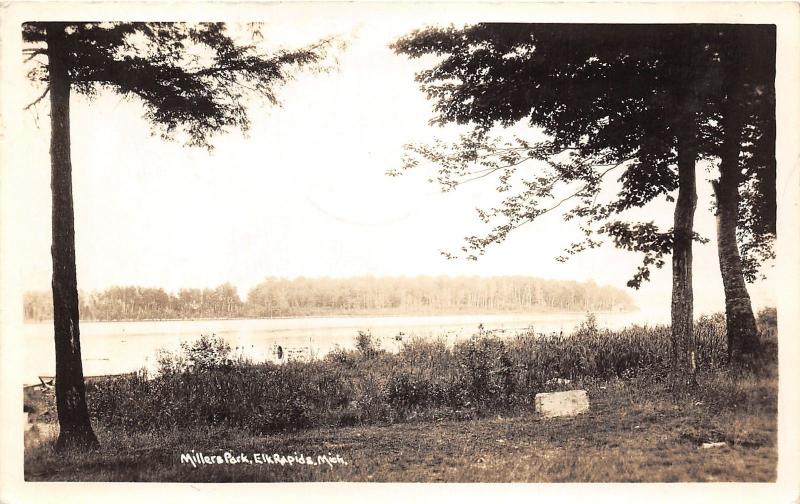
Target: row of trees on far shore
(280, 297)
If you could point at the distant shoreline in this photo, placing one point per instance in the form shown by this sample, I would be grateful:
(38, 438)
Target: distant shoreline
(356, 315)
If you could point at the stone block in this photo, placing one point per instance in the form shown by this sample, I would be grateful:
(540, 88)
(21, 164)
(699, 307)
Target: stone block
(560, 404)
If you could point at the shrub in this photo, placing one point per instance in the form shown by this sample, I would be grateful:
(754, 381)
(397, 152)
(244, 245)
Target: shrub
(767, 319)
(483, 373)
(366, 345)
(587, 327)
(205, 354)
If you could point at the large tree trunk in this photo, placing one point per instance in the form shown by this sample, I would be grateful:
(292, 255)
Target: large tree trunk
(73, 416)
(683, 341)
(740, 321)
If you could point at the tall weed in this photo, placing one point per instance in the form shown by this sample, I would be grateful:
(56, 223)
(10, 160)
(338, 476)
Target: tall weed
(202, 386)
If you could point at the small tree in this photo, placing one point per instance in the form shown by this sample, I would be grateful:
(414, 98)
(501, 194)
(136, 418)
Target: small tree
(192, 79)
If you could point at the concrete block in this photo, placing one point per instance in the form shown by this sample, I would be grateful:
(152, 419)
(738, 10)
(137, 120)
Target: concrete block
(559, 404)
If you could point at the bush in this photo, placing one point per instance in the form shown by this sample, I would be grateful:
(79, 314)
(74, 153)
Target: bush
(484, 372)
(587, 327)
(366, 345)
(206, 354)
(767, 319)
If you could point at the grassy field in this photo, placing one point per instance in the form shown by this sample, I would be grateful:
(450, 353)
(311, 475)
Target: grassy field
(400, 419)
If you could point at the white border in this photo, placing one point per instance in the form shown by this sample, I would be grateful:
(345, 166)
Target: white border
(785, 15)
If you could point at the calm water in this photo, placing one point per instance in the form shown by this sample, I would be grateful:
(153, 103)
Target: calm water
(119, 347)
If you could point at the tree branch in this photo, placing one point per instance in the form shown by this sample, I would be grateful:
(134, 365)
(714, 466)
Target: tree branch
(32, 53)
(234, 81)
(567, 198)
(490, 171)
(37, 100)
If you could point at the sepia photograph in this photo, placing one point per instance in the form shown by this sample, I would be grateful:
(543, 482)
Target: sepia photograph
(385, 243)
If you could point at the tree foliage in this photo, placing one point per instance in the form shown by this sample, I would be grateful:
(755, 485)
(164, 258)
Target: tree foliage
(606, 100)
(194, 79)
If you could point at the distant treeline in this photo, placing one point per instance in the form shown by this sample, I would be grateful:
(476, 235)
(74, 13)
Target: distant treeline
(278, 297)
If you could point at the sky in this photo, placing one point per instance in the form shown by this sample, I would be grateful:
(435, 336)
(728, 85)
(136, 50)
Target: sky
(304, 193)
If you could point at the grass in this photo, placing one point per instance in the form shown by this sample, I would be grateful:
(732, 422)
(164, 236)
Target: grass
(436, 413)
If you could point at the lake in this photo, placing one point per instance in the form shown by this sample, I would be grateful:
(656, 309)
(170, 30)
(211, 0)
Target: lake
(119, 347)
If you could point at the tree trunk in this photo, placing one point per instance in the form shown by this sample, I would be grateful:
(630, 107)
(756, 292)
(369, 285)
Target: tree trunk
(740, 321)
(73, 416)
(683, 341)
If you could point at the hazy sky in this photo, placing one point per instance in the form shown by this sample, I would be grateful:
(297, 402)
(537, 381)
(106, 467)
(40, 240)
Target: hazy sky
(304, 194)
